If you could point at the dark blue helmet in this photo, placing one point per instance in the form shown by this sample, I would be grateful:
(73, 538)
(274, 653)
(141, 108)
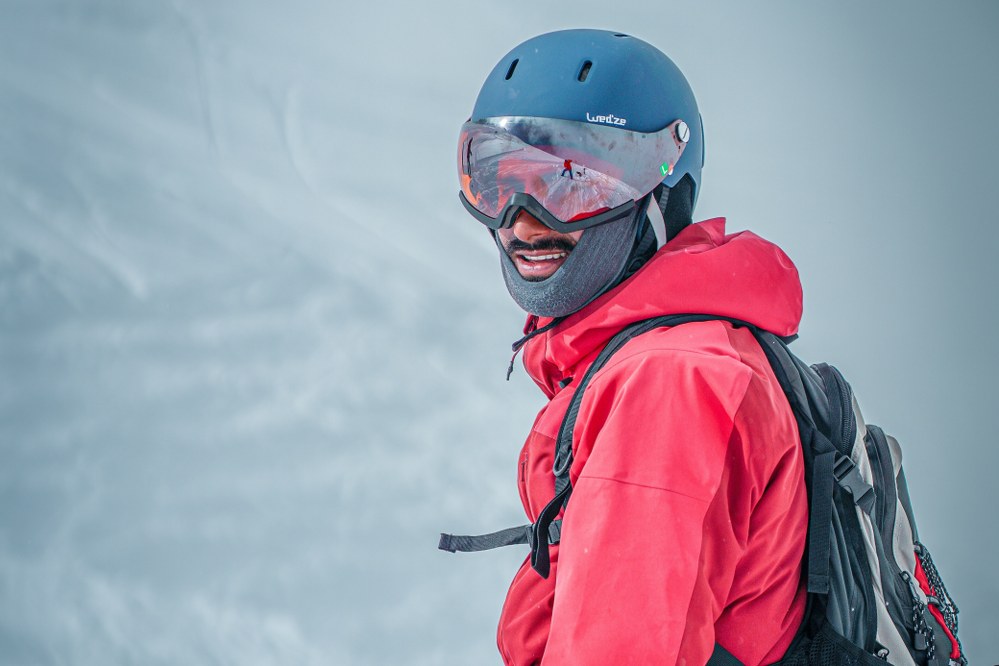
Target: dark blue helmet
(597, 76)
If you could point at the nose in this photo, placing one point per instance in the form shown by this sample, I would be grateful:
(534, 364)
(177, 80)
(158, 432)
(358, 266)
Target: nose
(526, 227)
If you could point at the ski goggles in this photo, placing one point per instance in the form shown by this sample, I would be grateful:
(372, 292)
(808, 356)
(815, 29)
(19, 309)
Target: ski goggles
(570, 175)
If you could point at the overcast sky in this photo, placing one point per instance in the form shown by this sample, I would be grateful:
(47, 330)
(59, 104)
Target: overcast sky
(252, 349)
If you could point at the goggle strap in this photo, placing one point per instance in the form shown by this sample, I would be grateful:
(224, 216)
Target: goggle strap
(655, 216)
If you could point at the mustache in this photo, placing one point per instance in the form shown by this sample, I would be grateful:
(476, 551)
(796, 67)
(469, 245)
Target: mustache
(546, 244)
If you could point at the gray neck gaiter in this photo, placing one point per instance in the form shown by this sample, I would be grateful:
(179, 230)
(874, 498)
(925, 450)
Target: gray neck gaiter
(595, 265)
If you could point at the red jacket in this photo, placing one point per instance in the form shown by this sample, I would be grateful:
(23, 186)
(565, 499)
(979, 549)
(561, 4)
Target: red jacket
(688, 516)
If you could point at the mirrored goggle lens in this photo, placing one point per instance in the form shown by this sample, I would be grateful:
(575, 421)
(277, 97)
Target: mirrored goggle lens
(574, 170)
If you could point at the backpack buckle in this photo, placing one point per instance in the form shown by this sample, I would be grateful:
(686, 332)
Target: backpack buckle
(849, 479)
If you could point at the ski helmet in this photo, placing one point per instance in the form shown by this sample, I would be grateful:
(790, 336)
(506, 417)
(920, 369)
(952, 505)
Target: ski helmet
(583, 129)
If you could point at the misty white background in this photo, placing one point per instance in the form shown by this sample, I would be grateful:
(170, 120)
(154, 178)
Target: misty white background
(252, 349)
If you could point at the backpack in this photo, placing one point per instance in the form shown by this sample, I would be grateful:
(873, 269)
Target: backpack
(874, 593)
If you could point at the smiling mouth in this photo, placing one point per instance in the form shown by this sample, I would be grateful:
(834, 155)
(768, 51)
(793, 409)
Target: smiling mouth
(544, 257)
(536, 266)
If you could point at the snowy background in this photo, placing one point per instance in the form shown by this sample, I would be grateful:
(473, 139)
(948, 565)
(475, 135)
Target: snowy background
(252, 349)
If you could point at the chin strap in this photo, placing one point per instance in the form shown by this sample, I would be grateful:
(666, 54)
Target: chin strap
(657, 221)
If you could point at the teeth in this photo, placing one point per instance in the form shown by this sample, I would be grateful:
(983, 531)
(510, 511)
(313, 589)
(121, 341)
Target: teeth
(544, 257)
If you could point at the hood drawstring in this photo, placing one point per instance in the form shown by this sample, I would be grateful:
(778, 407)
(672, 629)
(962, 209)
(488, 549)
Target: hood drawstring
(530, 330)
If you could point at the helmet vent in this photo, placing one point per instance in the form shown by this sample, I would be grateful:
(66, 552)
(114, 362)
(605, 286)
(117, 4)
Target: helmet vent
(513, 66)
(584, 71)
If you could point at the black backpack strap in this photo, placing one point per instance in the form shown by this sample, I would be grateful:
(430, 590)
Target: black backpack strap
(522, 534)
(820, 522)
(541, 532)
(822, 404)
(801, 386)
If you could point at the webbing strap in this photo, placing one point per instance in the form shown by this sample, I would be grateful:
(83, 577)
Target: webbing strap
(820, 522)
(512, 536)
(656, 219)
(787, 372)
(541, 532)
(474, 543)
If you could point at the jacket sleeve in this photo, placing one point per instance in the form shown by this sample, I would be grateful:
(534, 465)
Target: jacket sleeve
(650, 541)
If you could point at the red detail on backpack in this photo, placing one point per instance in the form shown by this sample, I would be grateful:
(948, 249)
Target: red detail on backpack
(929, 591)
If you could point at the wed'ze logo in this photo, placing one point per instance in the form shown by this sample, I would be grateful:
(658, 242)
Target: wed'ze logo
(609, 119)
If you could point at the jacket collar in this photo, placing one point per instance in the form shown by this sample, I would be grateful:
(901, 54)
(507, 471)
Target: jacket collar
(703, 270)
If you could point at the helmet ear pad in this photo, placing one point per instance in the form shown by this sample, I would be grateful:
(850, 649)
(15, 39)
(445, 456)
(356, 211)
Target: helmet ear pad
(677, 205)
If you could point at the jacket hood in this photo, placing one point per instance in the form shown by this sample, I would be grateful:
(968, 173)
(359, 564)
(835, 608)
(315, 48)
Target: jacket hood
(701, 271)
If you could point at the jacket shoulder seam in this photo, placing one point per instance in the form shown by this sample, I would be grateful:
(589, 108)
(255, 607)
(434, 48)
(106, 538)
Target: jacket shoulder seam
(583, 475)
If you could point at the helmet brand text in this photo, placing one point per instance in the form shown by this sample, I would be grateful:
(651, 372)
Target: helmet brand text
(608, 119)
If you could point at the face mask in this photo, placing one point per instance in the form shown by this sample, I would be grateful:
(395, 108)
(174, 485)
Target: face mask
(597, 263)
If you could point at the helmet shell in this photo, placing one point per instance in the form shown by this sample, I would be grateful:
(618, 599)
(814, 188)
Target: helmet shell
(596, 76)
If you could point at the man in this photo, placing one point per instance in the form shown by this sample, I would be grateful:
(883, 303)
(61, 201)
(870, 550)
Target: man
(687, 519)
